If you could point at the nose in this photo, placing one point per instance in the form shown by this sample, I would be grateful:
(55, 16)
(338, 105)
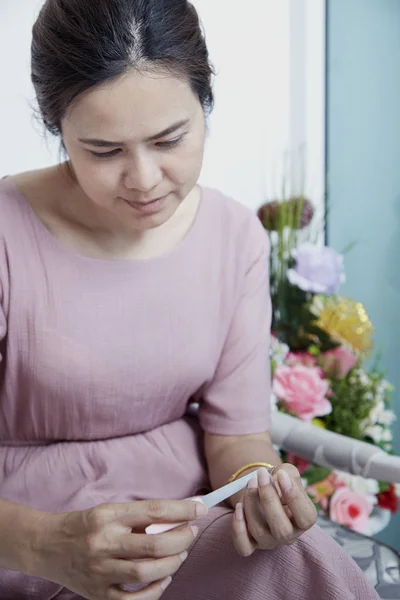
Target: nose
(143, 173)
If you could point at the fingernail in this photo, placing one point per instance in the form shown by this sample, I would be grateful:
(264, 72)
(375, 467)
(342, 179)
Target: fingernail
(284, 481)
(166, 583)
(264, 477)
(201, 509)
(253, 483)
(239, 512)
(195, 531)
(183, 556)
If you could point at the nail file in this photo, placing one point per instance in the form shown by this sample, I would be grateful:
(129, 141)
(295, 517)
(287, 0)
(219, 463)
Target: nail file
(210, 500)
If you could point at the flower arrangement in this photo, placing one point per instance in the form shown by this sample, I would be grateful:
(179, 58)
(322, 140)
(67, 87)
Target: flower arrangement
(320, 343)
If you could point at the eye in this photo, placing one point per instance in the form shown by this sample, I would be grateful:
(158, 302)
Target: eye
(170, 143)
(105, 154)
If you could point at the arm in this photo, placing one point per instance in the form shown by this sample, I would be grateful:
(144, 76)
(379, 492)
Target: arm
(287, 510)
(93, 551)
(17, 535)
(234, 412)
(234, 409)
(227, 454)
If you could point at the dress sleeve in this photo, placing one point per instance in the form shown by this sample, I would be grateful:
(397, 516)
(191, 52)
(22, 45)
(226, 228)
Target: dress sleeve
(3, 321)
(237, 400)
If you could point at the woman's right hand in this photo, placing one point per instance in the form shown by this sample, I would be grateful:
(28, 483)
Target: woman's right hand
(97, 551)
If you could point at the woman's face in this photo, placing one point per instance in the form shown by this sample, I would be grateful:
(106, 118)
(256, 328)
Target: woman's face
(136, 146)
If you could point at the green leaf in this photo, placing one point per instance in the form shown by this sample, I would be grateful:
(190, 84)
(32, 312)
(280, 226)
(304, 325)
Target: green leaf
(314, 350)
(352, 402)
(383, 486)
(316, 504)
(316, 474)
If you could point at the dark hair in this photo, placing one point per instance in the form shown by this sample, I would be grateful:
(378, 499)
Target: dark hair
(80, 44)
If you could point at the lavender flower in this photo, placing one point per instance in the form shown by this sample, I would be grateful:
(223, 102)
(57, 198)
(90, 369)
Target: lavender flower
(318, 270)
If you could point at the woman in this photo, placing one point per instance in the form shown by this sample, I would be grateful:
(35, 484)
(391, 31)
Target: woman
(127, 292)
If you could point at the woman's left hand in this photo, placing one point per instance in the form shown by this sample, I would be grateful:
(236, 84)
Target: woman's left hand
(265, 519)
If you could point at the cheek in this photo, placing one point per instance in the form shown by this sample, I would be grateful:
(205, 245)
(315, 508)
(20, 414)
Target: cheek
(185, 165)
(96, 177)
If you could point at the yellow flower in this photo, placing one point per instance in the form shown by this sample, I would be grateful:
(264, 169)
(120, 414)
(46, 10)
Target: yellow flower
(318, 423)
(345, 321)
(321, 491)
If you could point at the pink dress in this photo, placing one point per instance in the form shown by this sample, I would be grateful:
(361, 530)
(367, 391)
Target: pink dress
(100, 359)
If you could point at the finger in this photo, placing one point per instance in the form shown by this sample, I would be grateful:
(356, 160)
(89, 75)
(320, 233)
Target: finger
(144, 572)
(135, 545)
(138, 515)
(244, 545)
(288, 512)
(151, 592)
(255, 519)
(290, 469)
(300, 505)
(279, 524)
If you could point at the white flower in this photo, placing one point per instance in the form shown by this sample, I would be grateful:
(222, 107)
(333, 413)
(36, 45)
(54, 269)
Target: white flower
(360, 376)
(385, 386)
(362, 485)
(379, 414)
(387, 435)
(278, 350)
(317, 305)
(375, 432)
(387, 418)
(363, 377)
(376, 412)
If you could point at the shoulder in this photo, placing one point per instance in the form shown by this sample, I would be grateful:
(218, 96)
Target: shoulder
(22, 194)
(11, 206)
(11, 228)
(17, 223)
(235, 224)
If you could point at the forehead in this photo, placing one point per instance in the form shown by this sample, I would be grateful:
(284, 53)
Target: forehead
(133, 106)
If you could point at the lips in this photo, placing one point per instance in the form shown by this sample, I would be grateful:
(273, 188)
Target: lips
(137, 203)
(150, 207)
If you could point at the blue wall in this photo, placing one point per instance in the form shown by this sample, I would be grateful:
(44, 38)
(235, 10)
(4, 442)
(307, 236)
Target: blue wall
(363, 166)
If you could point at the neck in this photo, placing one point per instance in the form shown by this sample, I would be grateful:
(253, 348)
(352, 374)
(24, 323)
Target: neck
(100, 233)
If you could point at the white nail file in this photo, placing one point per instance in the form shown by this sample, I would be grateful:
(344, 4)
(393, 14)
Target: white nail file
(210, 500)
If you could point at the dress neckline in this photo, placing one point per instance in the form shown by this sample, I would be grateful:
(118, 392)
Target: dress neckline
(182, 247)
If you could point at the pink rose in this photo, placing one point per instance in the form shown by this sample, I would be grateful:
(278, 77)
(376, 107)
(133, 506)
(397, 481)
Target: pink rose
(301, 358)
(305, 359)
(351, 509)
(302, 391)
(338, 362)
(301, 464)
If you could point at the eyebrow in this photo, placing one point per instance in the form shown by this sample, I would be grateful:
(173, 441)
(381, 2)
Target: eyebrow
(161, 134)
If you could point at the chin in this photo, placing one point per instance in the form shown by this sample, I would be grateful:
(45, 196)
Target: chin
(146, 222)
(150, 223)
